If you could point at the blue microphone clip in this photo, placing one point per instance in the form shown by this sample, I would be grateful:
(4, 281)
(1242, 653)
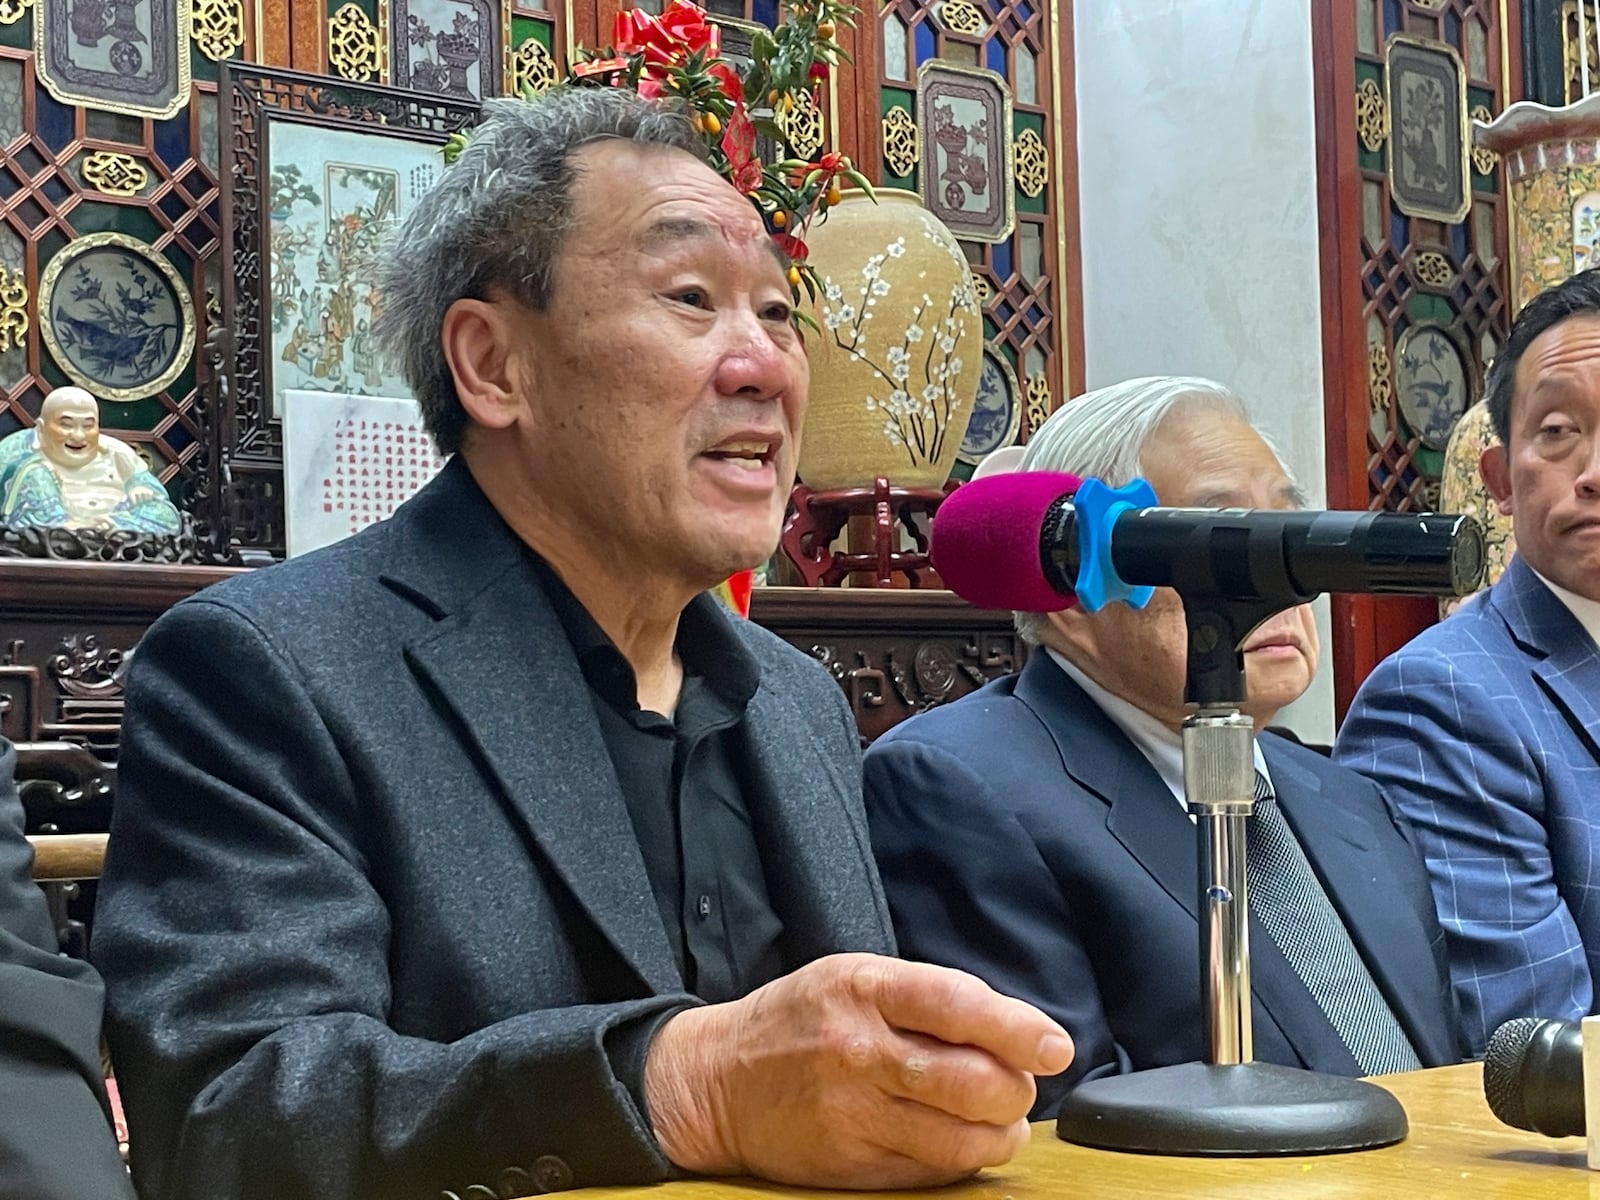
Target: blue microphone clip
(1096, 508)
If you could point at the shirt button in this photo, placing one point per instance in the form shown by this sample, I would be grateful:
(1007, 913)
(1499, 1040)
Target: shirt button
(704, 905)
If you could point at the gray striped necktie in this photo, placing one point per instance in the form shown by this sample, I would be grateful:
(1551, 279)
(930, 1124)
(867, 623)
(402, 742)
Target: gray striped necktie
(1288, 900)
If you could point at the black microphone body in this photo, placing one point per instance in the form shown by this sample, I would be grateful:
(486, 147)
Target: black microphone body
(1533, 1076)
(1286, 556)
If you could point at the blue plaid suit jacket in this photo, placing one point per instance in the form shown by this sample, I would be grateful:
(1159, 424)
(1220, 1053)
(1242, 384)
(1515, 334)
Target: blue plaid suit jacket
(1485, 730)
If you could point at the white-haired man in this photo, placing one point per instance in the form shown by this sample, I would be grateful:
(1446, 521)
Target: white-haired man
(1034, 832)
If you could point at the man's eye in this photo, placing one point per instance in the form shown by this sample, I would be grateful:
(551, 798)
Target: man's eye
(693, 297)
(777, 312)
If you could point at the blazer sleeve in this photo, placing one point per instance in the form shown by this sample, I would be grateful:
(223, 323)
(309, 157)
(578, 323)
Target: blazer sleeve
(968, 889)
(1426, 727)
(55, 1130)
(244, 938)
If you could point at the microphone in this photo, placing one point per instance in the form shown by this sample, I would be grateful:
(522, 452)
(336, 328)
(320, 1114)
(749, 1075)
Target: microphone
(1533, 1075)
(1036, 541)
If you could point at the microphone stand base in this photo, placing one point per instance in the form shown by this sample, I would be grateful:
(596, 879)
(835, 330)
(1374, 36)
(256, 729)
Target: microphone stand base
(1243, 1110)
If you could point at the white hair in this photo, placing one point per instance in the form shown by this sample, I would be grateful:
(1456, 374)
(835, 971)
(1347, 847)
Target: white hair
(1102, 435)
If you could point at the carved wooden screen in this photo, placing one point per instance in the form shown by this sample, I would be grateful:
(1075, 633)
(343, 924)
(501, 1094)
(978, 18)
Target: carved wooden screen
(1414, 273)
(68, 171)
(1027, 277)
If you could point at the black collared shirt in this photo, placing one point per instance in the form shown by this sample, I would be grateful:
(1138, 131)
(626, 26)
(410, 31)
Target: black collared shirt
(685, 780)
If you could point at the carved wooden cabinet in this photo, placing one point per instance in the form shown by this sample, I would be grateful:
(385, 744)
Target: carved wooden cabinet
(68, 629)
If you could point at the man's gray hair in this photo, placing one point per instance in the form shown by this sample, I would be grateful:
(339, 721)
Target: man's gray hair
(497, 219)
(1102, 435)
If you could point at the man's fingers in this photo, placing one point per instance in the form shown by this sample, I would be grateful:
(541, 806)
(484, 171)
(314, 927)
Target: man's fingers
(947, 1147)
(963, 1081)
(961, 1009)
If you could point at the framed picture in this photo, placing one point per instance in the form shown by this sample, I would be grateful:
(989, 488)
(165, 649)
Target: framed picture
(996, 411)
(116, 316)
(1430, 175)
(125, 56)
(313, 172)
(447, 46)
(1432, 382)
(964, 114)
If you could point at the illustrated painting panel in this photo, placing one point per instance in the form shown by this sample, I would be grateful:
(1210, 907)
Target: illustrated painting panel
(966, 179)
(446, 46)
(1431, 382)
(128, 56)
(1429, 173)
(332, 195)
(116, 317)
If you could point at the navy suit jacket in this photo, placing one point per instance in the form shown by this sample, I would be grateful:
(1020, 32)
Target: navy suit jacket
(375, 921)
(1021, 836)
(1485, 730)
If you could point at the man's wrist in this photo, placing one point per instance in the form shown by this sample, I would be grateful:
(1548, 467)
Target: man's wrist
(682, 1089)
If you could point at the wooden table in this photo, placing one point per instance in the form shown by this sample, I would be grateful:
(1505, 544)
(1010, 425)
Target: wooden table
(1456, 1148)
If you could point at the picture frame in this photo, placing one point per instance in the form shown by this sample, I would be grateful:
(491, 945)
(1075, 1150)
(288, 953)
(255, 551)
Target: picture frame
(116, 316)
(1433, 382)
(447, 47)
(1430, 141)
(967, 174)
(122, 56)
(364, 152)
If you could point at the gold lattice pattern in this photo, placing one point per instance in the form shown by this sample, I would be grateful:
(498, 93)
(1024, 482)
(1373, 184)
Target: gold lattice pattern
(1372, 115)
(13, 308)
(1569, 49)
(1379, 388)
(980, 288)
(960, 16)
(802, 126)
(115, 174)
(12, 11)
(900, 148)
(1038, 401)
(1433, 269)
(217, 27)
(532, 69)
(353, 44)
(1033, 168)
(1482, 157)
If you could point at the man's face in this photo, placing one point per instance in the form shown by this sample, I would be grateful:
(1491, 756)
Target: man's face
(1548, 478)
(69, 430)
(1202, 458)
(665, 385)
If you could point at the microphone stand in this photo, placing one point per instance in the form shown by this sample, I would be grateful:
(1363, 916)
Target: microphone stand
(1229, 1104)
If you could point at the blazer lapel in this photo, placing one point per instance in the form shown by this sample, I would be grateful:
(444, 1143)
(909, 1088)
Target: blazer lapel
(819, 864)
(499, 660)
(1569, 666)
(1391, 938)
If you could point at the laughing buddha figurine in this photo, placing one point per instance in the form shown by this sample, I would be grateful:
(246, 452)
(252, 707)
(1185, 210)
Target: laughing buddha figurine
(64, 473)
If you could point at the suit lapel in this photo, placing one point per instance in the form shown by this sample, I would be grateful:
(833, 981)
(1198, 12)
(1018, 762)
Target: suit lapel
(817, 858)
(1569, 666)
(1391, 938)
(499, 660)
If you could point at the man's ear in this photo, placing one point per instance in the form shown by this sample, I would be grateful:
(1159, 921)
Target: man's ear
(476, 337)
(1495, 468)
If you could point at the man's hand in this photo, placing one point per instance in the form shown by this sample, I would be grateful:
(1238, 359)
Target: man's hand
(855, 1071)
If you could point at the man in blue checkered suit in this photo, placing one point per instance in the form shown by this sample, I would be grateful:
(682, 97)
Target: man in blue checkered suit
(1486, 728)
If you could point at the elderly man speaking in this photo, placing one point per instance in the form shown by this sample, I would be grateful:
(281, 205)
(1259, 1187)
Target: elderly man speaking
(1034, 832)
(484, 854)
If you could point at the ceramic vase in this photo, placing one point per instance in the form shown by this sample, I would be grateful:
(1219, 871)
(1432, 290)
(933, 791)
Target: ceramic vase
(894, 370)
(1552, 158)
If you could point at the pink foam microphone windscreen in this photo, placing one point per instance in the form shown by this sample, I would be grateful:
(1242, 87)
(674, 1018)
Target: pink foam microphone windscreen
(985, 540)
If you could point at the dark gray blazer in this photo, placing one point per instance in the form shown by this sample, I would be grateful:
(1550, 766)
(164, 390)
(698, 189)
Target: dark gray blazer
(375, 921)
(55, 1129)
